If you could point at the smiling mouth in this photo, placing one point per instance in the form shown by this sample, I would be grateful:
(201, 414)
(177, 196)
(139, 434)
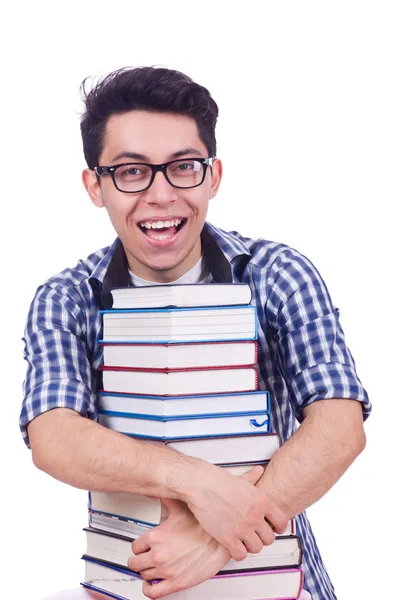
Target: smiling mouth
(162, 230)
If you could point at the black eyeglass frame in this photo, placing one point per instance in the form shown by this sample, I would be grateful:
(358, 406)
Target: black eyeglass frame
(206, 162)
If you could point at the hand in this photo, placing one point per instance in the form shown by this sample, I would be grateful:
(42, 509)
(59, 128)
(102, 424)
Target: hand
(178, 551)
(234, 512)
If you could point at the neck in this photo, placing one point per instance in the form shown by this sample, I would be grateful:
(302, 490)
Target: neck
(164, 275)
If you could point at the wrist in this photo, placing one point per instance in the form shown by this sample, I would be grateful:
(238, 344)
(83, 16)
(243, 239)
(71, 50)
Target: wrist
(188, 479)
(182, 477)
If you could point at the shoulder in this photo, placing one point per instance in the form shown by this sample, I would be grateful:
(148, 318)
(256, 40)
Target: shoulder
(71, 285)
(265, 255)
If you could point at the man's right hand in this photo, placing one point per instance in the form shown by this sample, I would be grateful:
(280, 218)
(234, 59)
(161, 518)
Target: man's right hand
(234, 512)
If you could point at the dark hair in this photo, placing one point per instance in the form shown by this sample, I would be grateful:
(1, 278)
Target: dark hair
(144, 88)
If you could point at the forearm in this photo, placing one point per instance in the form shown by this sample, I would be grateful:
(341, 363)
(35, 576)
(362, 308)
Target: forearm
(82, 453)
(316, 455)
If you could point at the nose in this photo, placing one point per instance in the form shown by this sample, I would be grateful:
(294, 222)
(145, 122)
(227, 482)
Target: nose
(161, 192)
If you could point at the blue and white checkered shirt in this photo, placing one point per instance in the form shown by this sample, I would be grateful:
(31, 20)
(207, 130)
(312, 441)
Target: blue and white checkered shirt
(302, 354)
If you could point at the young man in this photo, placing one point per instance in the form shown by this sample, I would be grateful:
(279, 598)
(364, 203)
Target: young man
(149, 142)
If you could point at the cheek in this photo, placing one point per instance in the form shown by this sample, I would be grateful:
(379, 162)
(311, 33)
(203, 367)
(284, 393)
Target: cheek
(198, 204)
(120, 208)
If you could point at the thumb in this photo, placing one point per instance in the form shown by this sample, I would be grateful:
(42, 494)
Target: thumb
(253, 475)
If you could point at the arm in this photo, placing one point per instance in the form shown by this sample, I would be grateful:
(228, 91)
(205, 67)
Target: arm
(82, 453)
(87, 455)
(329, 439)
(322, 388)
(60, 395)
(299, 474)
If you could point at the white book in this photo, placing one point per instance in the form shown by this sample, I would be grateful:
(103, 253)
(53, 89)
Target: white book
(284, 552)
(175, 383)
(185, 295)
(113, 524)
(195, 426)
(180, 356)
(180, 324)
(173, 406)
(133, 515)
(228, 449)
(275, 585)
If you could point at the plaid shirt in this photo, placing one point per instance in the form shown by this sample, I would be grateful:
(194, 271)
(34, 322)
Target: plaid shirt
(302, 354)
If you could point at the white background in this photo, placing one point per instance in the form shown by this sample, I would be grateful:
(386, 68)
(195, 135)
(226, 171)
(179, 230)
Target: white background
(307, 97)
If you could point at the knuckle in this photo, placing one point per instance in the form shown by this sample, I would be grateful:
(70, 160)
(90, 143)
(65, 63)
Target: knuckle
(158, 557)
(153, 536)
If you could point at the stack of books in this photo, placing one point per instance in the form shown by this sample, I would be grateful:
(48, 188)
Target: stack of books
(180, 368)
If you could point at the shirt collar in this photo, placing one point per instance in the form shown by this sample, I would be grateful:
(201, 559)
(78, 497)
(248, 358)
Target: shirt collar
(220, 248)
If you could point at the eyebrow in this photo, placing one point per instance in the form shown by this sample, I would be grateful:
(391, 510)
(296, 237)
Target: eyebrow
(143, 157)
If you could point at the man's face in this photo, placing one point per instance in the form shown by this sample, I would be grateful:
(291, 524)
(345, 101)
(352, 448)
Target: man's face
(155, 255)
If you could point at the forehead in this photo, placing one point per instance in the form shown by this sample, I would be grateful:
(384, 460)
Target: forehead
(154, 134)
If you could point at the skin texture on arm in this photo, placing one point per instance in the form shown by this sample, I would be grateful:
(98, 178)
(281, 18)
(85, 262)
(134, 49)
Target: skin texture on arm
(327, 442)
(87, 455)
(329, 439)
(84, 454)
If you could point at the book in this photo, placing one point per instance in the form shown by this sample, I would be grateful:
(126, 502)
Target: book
(118, 525)
(178, 382)
(135, 508)
(184, 295)
(132, 527)
(285, 584)
(180, 324)
(228, 450)
(180, 356)
(168, 406)
(162, 428)
(112, 548)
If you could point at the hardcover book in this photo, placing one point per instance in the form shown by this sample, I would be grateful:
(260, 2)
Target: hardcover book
(258, 447)
(281, 584)
(132, 527)
(177, 382)
(180, 356)
(162, 428)
(168, 406)
(183, 295)
(111, 548)
(180, 324)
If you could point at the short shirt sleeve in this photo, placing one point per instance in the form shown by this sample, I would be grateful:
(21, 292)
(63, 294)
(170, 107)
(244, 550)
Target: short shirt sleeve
(311, 349)
(59, 373)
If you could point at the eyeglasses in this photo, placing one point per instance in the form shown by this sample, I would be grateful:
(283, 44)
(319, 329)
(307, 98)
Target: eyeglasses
(132, 178)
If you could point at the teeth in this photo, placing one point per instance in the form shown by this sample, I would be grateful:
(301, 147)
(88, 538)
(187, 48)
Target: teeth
(161, 237)
(161, 224)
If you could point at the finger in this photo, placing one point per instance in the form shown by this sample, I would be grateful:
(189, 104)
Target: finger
(276, 518)
(158, 590)
(253, 475)
(149, 574)
(253, 543)
(266, 534)
(141, 544)
(237, 550)
(140, 562)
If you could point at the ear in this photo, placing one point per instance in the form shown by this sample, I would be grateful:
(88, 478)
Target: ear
(216, 177)
(91, 184)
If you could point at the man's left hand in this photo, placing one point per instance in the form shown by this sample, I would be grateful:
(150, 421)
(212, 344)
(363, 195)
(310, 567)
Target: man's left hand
(179, 551)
